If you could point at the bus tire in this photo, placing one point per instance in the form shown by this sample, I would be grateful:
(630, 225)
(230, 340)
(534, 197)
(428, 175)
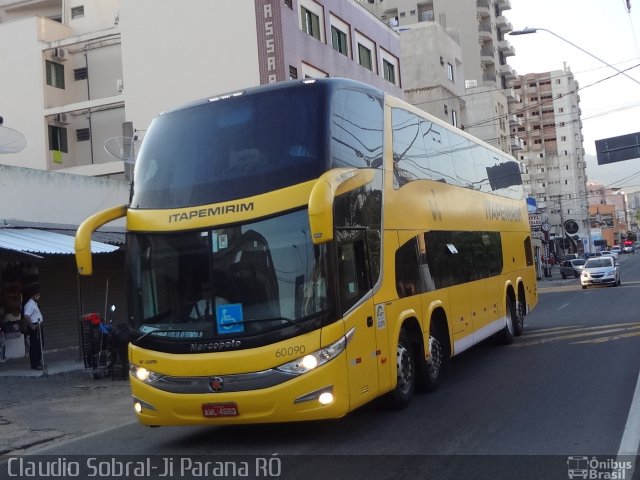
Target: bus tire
(521, 310)
(400, 396)
(507, 332)
(431, 370)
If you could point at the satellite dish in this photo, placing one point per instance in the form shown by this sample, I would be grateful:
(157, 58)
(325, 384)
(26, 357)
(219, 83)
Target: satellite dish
(124, 148)
(11, 141)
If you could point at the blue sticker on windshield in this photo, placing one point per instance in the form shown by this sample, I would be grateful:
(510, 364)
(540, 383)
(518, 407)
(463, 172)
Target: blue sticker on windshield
(229, 318)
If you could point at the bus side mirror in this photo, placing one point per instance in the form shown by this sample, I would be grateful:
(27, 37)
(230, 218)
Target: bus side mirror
(323, 193)
(83, 236)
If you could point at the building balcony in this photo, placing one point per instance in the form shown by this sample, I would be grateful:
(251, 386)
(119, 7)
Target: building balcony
(487, 56)
(503, 5)
(512, 96)
(506, 48)
(485, 32)
(516, 144)
(489, 77)
(507, 71)
(483, 8)
(503, 24)
(514, 121)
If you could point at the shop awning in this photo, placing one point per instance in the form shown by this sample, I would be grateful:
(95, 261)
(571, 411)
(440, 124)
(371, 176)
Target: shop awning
(43, 242)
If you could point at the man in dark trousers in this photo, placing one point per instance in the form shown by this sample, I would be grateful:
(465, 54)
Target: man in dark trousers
(33, 317)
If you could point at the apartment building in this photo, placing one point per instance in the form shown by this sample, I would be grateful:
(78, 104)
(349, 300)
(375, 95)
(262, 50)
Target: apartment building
(553, 155)
(93, 74)
(479, 27)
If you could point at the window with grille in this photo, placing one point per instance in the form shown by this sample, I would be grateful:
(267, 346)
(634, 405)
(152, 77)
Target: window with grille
(55, 74)
(81, 73)
(83, 134)
(77, 12)
(293, 73)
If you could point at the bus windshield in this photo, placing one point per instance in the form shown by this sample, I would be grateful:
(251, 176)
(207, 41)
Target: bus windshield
(231, 282)
(233, 148)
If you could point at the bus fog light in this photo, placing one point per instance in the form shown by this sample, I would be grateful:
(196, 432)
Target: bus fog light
(325, 398)
(137, 407)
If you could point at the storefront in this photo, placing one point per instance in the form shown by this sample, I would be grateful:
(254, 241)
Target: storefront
(32, 258)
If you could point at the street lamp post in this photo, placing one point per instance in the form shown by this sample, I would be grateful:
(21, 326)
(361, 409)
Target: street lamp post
(528, 30)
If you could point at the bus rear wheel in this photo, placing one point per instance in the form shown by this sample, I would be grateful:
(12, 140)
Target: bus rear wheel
(508, 331)
(400, 396)
(432, 368)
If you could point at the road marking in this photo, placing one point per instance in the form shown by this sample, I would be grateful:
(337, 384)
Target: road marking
(630, 442)
(563, 306)
(553, 329)
(610, 337)
(577, 328)
(585, 332)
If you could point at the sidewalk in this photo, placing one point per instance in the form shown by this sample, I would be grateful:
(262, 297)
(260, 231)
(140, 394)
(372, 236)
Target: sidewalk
(55, 362)
(555, 275)
(61, 402)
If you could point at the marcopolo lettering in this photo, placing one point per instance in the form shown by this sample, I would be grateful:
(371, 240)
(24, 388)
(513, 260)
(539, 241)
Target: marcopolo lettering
(495, 211)
(211, 211)
(215, 346)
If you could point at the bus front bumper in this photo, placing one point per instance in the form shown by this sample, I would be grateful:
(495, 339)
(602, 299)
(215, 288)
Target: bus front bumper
(297, 399)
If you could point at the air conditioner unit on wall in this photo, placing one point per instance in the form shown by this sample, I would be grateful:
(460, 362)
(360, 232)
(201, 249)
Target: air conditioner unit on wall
(59, 53)
(61, 118)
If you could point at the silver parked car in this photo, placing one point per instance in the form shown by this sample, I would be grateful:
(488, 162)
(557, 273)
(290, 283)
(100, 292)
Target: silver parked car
(572, 268)
(600, 271)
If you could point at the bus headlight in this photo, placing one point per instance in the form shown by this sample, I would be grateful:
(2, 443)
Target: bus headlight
(144, 375)
(319, 357)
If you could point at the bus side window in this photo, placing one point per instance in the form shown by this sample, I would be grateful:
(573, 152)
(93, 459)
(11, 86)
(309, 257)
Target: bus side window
(407, 270)
(353, 268)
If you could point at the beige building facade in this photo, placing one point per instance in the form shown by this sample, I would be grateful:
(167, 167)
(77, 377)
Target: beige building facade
(553, 155)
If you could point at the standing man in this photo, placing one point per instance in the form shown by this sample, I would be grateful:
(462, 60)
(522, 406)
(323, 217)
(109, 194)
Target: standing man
(33, 317)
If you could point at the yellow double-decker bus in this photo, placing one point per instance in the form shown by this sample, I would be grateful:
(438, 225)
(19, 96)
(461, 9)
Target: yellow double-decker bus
(299, 249)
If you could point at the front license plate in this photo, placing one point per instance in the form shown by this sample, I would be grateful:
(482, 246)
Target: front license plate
(229, 409)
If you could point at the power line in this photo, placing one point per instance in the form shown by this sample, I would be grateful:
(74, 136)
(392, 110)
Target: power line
(546, 102)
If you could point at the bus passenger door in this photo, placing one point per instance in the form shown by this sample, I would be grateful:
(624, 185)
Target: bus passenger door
(354, 283)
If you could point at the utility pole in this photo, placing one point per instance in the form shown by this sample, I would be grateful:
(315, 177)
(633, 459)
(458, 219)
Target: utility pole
(564, 233)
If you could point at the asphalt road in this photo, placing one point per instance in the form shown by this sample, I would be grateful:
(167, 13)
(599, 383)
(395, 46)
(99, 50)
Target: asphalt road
(562, 392)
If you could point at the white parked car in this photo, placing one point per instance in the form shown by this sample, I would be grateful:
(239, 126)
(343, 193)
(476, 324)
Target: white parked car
(602, 270)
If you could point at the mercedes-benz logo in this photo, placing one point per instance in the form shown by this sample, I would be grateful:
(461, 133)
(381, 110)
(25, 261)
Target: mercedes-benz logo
(216, 384)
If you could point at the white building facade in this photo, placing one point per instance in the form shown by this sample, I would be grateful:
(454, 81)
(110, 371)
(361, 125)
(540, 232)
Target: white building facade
(479, 27)
(93, 72)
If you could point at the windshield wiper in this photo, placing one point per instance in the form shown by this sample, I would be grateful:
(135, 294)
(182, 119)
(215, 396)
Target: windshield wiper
(171, 330)
(274, 319)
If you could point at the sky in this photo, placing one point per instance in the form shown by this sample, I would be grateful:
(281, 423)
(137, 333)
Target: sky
(609, 32)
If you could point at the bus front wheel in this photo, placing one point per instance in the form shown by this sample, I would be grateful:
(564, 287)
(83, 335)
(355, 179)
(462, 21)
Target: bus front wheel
(401, 395)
